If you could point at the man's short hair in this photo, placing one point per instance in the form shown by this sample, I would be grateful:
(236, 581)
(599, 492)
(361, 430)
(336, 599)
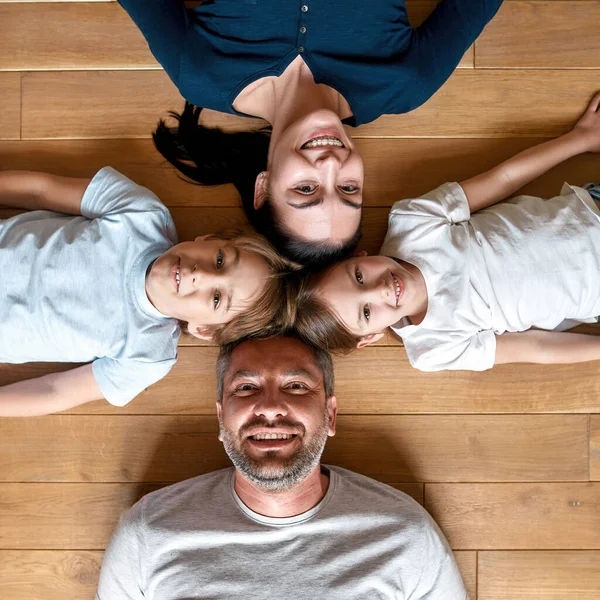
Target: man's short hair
(322, 359)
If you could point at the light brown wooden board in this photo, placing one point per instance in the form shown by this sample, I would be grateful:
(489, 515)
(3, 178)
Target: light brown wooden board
(389, 448)
(48, 574)
(394, 168)
(473, 103)
(539, 575)
(541, 35)
(10, 115)
(467, 564)
(595, 448)
(70, 35)
(518, 516)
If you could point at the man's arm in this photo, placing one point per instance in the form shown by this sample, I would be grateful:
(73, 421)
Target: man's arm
(504, 180)
(546, 347)
(41, 191)
(50, 393)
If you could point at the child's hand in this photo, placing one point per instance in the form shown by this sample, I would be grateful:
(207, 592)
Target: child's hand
(588, 126)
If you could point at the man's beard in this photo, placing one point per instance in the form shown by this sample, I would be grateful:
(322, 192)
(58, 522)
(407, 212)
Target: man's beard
(287, 473)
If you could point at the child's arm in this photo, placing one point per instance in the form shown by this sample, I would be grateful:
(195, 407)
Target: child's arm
(50, 393)
(504, 180)
(41, 191)
(548, 347)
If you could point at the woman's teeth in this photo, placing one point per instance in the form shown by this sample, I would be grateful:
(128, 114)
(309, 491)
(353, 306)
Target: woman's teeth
(272, 436)
(323, 141)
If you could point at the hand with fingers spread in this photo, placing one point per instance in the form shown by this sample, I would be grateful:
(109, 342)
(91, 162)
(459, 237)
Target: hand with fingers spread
(588, 126)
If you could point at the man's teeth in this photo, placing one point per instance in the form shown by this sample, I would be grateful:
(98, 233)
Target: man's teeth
(323, 141)
(272, 436)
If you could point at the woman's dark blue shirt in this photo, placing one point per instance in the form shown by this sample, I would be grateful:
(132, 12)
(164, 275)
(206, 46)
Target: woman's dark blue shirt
(366, 50)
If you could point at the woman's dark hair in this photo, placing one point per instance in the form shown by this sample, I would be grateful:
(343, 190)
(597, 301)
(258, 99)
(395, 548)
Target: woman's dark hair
(210, 156)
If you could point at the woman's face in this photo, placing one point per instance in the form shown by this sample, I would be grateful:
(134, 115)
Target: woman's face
(315, 179)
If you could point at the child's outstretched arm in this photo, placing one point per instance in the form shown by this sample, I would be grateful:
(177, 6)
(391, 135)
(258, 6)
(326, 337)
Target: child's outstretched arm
(504, 180)
(548, 347)
(41, 191)
(50, 393)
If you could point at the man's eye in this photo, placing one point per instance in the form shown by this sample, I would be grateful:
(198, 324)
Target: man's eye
(349, 189)
(359, 276)
(306, 188)
(220, 259)
(367, 312)
(296, 385)
(216, 299)
(245, 387)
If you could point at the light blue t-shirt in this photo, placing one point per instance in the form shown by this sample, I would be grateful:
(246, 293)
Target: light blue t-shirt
(73, 287)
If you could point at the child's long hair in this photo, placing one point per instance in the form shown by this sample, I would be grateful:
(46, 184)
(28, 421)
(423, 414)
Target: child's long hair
(273, 311)
(316, 321)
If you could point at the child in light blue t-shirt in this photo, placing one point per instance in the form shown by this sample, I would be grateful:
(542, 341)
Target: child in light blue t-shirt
(110, 286)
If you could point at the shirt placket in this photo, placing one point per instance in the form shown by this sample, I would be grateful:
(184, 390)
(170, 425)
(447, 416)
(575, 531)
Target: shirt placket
(302, 27)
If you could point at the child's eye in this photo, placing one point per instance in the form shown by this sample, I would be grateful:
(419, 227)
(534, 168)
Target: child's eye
(306, 188)
(217, 300)
(359, 276)
(220, 259)
(367, 312)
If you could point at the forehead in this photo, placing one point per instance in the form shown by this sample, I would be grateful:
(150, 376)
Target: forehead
(273, 356)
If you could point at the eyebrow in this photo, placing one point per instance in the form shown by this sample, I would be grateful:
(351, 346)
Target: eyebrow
(235, 262)
(317, 201)
(243, 373)
(298, 373)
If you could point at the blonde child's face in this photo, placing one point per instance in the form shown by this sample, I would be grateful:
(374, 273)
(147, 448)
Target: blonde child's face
(205, 282)
(370, 293)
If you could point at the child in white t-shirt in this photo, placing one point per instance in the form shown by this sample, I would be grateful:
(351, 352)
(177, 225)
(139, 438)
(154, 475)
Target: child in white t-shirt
(467, 291)
(110, 287)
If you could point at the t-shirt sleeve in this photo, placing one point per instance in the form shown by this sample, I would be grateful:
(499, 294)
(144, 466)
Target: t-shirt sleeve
(110, 192)
(440, 578)
(122, 380)
(122, 575)
(433, 351)
(437, 46)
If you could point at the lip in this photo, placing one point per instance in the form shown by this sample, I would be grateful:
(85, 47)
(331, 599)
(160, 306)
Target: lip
(272, 444)
(398, 287)
(173, 273)
(324, 133)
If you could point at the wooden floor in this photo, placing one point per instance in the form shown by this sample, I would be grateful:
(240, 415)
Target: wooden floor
(507, 461)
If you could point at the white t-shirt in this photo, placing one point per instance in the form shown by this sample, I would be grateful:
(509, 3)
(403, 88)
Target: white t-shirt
(73, 287)
(197, 539)
(524, 263)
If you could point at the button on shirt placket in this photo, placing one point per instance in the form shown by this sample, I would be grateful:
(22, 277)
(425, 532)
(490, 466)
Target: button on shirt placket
(302, 28)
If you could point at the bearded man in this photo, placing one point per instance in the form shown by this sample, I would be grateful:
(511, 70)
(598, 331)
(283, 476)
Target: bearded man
(279, 524)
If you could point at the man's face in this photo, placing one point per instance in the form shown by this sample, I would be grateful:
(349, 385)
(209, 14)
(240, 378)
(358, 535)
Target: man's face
(274, 415)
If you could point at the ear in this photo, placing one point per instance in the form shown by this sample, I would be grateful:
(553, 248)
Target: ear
(220, 417)
(360, 253)
(201, 238)
(369, 339)
(332, 410)
(260, 189)
(202, 332)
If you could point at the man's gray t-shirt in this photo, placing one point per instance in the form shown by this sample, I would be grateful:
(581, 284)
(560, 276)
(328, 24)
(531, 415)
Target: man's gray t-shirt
(73, 287)
(197, 540)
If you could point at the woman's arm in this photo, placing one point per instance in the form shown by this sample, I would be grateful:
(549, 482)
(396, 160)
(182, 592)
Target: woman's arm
(547, 347)
(41, 191)
(164, 24)
(504, 180)
(50, 393)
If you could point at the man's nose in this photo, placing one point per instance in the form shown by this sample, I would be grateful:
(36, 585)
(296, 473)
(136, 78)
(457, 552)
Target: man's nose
(271, 406)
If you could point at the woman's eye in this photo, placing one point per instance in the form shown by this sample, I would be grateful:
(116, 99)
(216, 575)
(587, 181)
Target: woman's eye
(367, 312)
(359, 276)
(216, 300)
(349, 189)
(306, 188)
(220, 259)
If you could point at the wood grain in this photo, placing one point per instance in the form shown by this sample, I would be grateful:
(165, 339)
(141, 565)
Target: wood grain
(568, 38)
(70, 35)
(595, 448)
(539, 575)
(49, 575)
(518, 516)
(467, 564)
(68, 448)
(10, 115)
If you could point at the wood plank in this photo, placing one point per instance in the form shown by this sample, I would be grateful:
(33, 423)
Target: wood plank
(595, 448)
(70, 35)
(467, 564)
(157, 449)
(414, 490)
(539, 575)
(517, 516)
(495, 103)
(10, 115)
(49, 574)
(526, 34)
